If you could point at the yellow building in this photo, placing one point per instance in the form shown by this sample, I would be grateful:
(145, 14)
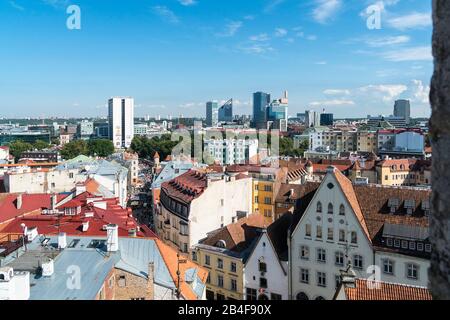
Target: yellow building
(223, 254)
(367, 141)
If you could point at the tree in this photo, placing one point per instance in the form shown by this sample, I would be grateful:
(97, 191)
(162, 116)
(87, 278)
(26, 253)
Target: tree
(40, 145)
(74, 149)
(100, 147)
(146, 147)
(17, 147)
(440, 140)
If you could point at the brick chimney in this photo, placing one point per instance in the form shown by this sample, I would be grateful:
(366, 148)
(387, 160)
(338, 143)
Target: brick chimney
(150, 295)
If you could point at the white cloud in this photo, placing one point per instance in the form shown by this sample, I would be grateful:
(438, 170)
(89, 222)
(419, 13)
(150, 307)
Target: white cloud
(256, 48)
(272, 5)
(57, 3)
(334, 102)
(411, 21)
(231, 28)
(326, 9)
(262, 37)
(249, 17)
(280, 32)
(187, 2)
(409, 54)
(16, 6)
(387, 41)
(321, 63)
(333, 92)
(419, 92)
(166, 14)
(387, 92)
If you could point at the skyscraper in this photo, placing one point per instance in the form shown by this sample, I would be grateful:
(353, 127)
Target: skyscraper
(261, 101)
(212, 113)
(312, 118)
(326, 119)
(226, 112)
(121, 121)
(277, 113)
(402, 109)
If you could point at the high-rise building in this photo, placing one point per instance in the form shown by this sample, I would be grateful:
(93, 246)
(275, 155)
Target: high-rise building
(277, 113)
(85, 129)
(326, 119)
(261, 101)
(121, 121)
(226, 112)
(312, 118)
(212, 113)
(402, 108)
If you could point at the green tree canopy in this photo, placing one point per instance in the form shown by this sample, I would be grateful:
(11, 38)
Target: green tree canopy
(40, 145)
(146, 147)
(17, 147)
(74, 148)
(100, 147)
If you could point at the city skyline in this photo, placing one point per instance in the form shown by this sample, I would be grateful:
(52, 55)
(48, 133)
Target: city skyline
(174, 56)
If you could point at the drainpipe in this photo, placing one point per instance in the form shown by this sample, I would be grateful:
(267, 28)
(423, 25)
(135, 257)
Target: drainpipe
(289, 265)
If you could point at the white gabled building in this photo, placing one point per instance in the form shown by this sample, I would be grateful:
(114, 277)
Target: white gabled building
(266, 270)
(373, 228)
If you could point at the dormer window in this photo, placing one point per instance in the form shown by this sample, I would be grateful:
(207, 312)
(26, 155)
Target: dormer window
(262, 266)
(393, 204)
(330, 208)
(426, 206)
(410, 205)
(319, 207)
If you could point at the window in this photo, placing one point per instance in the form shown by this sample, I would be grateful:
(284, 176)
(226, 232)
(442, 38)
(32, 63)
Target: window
(122, 281)
(194, 255)
(233, 285)
(419, 246)
(404, 244)
(412, 271)
(354, 237)
(304, 275)
(219, 263)
(251, 294)
(208, 280)
(321, 255)
(396, 243)
(256, 199)
(341, 235)
(207, 260)
(358, 261)
(341, 210)
(330, 208)
(275, 296)
(262, 282)
(321, 279)
(268, 188)
(389, 242)
(412, 245)
(304, 252)
(319, 206)
(233, 267)
(267, 200)
(388, 266)
(308, 230)
(256, 187)
(339, 258)
(330, 234)
(262, 266)
(337, 279)
(428, 247)
(319, 232)
(220, 281)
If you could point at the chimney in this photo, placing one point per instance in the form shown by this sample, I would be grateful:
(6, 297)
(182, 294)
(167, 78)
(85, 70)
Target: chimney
(62, 240)
(53, 201)
(85, 226)
(79, 189)
(48, 268)
(19, 202)
(150, 281)
(112, 241)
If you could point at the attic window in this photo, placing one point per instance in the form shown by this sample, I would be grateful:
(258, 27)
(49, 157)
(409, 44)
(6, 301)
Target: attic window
(221, 244)
(393, 204)
(330, 185)
(426, 206)
(410, 204)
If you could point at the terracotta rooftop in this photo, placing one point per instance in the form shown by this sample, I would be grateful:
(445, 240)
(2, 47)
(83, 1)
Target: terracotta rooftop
(387, 291)
(186, 187)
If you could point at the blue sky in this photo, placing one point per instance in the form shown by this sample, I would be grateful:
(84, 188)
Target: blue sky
(174, 55)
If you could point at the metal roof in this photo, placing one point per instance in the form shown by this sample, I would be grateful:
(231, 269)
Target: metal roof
(405, 231)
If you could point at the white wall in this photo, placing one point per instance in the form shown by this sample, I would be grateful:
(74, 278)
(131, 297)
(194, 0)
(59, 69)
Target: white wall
(348, 222)
(276, 275)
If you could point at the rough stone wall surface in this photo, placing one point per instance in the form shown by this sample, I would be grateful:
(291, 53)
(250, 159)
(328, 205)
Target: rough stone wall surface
(135, 287)
(439, 272)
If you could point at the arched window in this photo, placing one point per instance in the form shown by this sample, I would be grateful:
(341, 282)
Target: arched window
(341, 210)
(2, 277)
(319, 206)
(320, 298)
(330, 208)
(302, 296)
(221, 244)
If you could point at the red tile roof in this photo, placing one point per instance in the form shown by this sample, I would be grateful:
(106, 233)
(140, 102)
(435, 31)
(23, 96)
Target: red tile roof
(186, 187)
(386, 291)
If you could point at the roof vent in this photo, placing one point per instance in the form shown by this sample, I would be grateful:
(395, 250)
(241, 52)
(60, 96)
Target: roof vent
(62, 240)
(85, 226)
(48, 268)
